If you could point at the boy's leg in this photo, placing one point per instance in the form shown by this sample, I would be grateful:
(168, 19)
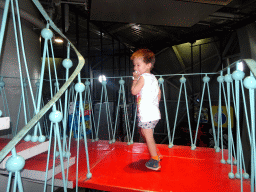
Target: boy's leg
(148, 134)
(142, 137)
(153, 163)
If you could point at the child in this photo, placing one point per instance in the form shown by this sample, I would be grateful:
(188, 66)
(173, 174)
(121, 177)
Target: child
(145, 86)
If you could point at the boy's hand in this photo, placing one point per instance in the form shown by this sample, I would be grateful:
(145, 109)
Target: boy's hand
(136, 75)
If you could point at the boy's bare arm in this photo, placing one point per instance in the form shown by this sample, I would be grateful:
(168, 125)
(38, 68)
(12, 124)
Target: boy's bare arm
(159, 95)
(137, 85)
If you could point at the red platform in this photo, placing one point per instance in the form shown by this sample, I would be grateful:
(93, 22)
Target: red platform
(119, 167)
(26, 149)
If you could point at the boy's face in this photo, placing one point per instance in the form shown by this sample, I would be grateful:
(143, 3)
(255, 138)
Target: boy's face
(140, 66)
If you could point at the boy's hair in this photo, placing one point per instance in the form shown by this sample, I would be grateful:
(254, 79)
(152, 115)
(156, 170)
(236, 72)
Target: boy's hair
(147, 55)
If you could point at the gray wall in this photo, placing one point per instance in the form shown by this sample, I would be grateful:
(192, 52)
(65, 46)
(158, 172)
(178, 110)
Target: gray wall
(9, 63)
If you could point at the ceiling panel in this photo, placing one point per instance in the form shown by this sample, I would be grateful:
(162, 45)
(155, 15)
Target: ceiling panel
(164, 12)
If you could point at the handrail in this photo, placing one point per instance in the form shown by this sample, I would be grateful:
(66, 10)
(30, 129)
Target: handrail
(81, 61)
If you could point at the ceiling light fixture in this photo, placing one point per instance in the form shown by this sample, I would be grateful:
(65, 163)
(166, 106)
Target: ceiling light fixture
(58, 40)
(102, 78)
(240, 66)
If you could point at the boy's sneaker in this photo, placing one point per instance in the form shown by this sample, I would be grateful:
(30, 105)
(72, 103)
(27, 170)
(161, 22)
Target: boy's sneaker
(160, 157)
(153, 164)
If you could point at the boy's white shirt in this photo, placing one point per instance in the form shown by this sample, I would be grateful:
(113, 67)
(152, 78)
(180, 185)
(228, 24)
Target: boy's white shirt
(148, 106)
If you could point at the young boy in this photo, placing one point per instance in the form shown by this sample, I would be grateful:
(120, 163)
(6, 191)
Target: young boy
(145, 86)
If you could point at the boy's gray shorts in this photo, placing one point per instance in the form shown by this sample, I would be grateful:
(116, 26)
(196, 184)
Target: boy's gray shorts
(148, 125)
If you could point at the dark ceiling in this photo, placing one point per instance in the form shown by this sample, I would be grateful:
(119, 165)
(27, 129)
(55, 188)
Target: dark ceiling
(148, 23)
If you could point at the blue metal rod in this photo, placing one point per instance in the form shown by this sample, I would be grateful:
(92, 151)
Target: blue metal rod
(107, 112)
(92, 119)
(129, 137)
(2, 90)
(230, 140)
(20, 187)
(134, 122)
(18, 116)
(15, 182)
(245, 111)
(6, 102)
(3, 25)
(177, 110)
(27, 102)
(212, 121)
(38, 116)
(238, 146)
(253, 157)
(70, 135)
(199, 115)
(97, 131)
(220, 122)
(85, 138)
(61, 157)
(19, 62)
(48, 158)
(54, 157)
(9, 182)
(189, 123)
(24, 55)
(41, 81)
(117, 110)
(166, 116)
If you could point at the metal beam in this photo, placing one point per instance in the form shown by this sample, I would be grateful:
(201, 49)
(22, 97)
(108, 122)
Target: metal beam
(181, 63)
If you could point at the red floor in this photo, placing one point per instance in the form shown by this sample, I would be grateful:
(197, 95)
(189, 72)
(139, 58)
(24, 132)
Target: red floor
(119, 167)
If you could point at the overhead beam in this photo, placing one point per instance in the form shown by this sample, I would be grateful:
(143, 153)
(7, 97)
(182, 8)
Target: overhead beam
(181, 63)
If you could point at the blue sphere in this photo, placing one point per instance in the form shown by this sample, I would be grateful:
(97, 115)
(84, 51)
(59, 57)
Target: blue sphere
(15, 163)
(47, 33)
(67, 154)
(89, 175)
(228, 78)
(238, 75)
(193, 147)
(246, 175)
(79, 87)
(161, 80)
(67, 63)
(2, 83)
(250, 82)
(87, 83)
(27, 138)
(55, 116)
(231, 175)
(121, 82)
(57, 153)
(217, 149)
(183, 80)
(41, 138)
(34, 138)
(104, 82)
(206, 79)
(220, 79)
(238, 176)
(223, 161)
(37, 83)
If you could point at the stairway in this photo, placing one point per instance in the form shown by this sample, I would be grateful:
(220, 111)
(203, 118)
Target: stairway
(35, 154)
